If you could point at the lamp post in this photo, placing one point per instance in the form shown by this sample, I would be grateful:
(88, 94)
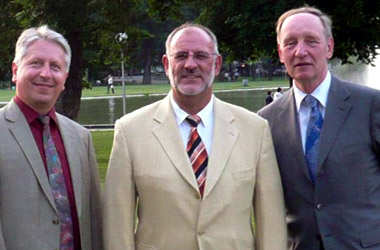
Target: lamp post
(122, 39)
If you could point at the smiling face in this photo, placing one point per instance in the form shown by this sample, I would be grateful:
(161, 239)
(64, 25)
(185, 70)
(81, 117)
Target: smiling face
(304, 49)
(40, 76)
(192, 63)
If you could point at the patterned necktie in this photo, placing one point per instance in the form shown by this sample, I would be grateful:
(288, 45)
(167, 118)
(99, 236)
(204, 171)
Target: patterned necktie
(313, 136)
(58, 187)
(197, 152)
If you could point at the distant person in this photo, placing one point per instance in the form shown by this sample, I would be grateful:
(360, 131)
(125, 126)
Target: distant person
(236, 75)
(49, 185)
(269, 98)
(110, 85)
(277, 94)
(327, 139)
(199, 168)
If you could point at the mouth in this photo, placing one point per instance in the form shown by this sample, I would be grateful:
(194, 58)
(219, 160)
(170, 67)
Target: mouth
(302, 64)
(191, 76)
(43, 85)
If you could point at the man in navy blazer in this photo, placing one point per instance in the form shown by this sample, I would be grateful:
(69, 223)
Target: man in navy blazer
(338, 206)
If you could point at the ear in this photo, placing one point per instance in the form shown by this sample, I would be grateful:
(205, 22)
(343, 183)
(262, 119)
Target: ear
(280, 53)
(14, 72)
(165, 62)
(66, 75)
(330, 47)
(218, 64)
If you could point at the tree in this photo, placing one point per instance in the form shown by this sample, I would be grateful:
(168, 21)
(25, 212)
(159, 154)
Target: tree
(246, 29)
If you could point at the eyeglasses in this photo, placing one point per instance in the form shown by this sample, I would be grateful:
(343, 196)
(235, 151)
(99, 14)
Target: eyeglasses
(198, 55)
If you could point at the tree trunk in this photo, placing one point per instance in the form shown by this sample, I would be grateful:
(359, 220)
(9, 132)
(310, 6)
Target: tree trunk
(68, 103)
(147, 46)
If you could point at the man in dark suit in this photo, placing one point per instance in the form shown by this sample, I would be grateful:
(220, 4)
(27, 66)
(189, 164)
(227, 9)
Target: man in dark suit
(326, 134)
(49, 185)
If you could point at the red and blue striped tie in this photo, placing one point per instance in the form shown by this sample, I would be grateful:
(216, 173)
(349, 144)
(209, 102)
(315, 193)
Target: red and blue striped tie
(197, 153)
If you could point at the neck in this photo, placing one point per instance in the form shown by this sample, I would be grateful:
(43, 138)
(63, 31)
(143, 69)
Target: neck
(308, 86)
(192, 104)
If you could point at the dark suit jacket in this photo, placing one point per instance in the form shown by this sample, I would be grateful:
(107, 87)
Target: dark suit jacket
(27, 208)
(344, 205)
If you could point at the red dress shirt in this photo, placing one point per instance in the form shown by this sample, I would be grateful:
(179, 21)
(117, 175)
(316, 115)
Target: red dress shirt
(36, 127)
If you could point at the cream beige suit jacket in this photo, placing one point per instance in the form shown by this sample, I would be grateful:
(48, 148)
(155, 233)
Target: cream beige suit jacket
(27, 208)
(150, 170)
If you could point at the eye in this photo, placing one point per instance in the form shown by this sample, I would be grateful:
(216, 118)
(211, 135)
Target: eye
(56, 67)
(35, 63)
(201, 56)
(312, 42)
(180, 56)
(290, 43)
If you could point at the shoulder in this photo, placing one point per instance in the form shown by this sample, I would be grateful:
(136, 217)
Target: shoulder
(239, 113)
(355, 89)
(274, 107)
(142, 114)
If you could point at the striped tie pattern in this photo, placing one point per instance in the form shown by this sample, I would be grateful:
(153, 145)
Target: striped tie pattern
(58, 187)
(197, 152)
(313, 136)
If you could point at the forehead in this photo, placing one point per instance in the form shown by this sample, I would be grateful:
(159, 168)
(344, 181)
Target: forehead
(191, 38)
(45, 49)
(302, 24)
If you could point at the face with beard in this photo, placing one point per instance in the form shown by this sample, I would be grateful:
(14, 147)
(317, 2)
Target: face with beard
(192, 63)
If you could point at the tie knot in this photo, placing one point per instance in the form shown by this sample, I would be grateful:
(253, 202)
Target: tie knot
(45, 120)
(311, 101)
(193, 120)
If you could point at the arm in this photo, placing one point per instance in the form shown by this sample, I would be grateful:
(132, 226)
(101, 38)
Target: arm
(375, 125)
(269, 207)
(95, 200)
(2, 243)
(120, 198)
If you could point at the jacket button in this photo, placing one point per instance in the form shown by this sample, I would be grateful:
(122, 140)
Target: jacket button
(319, 206)
(55, 221)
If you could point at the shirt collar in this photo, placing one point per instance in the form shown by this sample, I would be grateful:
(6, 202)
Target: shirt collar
(320, 93)
(30, 114)
(205, 114)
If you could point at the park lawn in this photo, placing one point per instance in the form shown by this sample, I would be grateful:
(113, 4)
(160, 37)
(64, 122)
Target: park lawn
(102, 140)
(7, 94)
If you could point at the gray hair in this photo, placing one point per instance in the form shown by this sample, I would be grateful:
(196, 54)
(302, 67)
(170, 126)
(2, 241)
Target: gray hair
(28, 36)
(191, 25)
(325, 19)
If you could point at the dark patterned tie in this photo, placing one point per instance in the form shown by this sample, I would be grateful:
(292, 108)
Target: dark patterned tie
(58, 188)
(313, 136)
(197, 152)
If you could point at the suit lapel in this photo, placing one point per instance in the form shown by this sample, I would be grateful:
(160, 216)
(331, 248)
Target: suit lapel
(19, 128)
(288, 115)
(224, 137)
(166, 131)
(337, 111)
(73, 153)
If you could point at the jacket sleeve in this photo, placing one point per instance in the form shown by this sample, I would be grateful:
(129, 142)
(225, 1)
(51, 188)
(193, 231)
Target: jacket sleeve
(269, 206)
(120, 198)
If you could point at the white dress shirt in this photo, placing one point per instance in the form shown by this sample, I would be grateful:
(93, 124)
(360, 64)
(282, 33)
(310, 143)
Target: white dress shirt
(205, 127)
(303, 110)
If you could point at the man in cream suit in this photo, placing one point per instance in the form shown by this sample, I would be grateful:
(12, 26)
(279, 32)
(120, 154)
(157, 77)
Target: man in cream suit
(231, 152)
(332, 180)
(49, 185)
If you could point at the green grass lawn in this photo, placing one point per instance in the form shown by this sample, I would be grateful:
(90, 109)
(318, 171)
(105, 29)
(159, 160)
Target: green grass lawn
(102, 144)
(6, 94)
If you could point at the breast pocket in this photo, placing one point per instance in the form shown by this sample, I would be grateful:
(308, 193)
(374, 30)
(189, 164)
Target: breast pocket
(244, 178)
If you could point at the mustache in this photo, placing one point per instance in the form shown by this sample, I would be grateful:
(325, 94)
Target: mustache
(190, 72)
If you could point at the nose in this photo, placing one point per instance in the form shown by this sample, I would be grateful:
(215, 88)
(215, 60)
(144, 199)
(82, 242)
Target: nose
(190, 62)
(301, 50)
(45, 71)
